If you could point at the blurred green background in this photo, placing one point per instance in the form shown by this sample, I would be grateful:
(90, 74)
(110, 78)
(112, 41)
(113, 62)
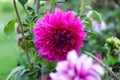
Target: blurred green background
(9, 52)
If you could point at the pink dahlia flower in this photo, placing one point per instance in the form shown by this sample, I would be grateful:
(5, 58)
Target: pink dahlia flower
(57, 34)
(77, 68)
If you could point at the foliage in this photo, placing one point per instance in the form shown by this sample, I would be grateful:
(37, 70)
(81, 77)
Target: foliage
(34, 67)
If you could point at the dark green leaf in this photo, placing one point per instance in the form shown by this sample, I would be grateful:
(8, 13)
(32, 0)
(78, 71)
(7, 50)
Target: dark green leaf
(24, 72)
(28, 43)
(30, 8)
(23, 2)
(32, 73)
(45, 70)
(9, 29)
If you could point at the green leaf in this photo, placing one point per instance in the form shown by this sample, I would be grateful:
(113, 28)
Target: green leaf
(92, 34)
(9, 29)
(14, 71)
(96, 16)
(23, 2)
(52, 1)
(88, 23)
(32, 73)
(28, 43)
(30, 8)
(19, 77)
(113, 60)
(24, 72)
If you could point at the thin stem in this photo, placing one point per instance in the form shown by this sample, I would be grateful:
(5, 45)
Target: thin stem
(47, 75)
(52, 6)
(37, 6)
(82, 6)
(26, 50)
(25, 9)
(102, 64)
(108, 58)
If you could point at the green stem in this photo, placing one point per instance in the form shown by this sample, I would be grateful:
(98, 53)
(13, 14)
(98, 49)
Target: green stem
(37, 5)
(47, 75)
(52, 5)
(82, 6)
(25, 9)
(103, 65)
(108, 58)
(22, 31)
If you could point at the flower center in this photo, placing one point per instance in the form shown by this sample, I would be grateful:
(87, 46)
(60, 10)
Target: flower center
(62, 37)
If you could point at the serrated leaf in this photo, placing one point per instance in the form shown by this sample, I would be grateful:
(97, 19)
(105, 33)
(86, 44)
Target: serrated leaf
(9, 29)
(23, 2)
(96, 16)
(14, 71)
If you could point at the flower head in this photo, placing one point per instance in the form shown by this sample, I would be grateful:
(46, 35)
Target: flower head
(57, 34)
(113, 42)
(77, 68)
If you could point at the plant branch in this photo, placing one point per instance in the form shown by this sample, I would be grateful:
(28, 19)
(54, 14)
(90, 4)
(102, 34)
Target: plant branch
(22, 31)
(102, 64)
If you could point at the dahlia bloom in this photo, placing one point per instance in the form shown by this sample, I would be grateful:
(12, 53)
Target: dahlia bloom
(57, 34)
(77, 68)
